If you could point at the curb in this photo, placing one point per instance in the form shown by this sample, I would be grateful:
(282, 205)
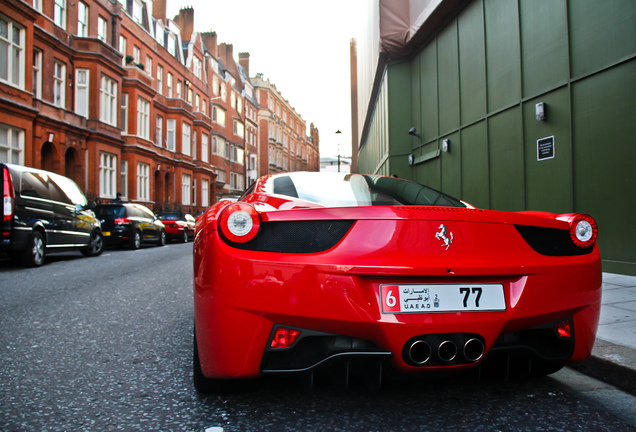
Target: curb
(612, 364)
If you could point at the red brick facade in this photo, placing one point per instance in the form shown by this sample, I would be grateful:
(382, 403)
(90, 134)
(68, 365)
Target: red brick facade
(171, 121)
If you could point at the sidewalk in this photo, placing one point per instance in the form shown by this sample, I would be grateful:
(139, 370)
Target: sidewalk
(614, 354)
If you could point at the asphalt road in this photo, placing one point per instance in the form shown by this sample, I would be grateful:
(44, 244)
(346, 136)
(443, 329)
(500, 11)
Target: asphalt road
(105, 344)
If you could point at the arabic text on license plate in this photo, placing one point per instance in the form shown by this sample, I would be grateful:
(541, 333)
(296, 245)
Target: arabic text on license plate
(442, 298)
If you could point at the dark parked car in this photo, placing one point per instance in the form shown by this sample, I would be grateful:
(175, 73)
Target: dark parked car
(44, 212)
(179, 226)
(128, 224)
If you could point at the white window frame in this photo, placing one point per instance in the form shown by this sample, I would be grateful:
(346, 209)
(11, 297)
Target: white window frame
(186, 131)
(11, 145)
(170, 83)
(205, 193)
(160, 79)
(59, 13)
(123, 178)
(82, 19)
(82, 80)
(108, 100)
(185, 189)
(136, 54)
(59, 84)
(171, 134)
(194, 191)
(148, 69)
(196, 66)
(205, 148)
(137, 12)
(123, 42)
(143, 181)
(102, 29)
(124, 113)
(194, 144)
(107, 175)
(37, 73)
(159, 131)
(143, 118)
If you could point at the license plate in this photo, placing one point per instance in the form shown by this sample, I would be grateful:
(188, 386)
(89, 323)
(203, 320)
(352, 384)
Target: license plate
(106, 233)
(442, 298)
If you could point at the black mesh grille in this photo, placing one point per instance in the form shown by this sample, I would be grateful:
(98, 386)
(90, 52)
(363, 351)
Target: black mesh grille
(550, 241)
(298, 236)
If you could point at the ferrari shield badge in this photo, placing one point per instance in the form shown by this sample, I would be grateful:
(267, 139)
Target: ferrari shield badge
(445, 236)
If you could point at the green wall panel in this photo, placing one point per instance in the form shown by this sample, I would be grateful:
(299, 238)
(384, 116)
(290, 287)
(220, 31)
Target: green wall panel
(472, 63)
(601, 32)
(451, 163)
(448, 79)
(549, 181)
(505, 141)
(399, 105)
(475, 172)
(604, 117)
(502, 53)
(428, 85)
(544, 45)
(429, 172)
(416, 101)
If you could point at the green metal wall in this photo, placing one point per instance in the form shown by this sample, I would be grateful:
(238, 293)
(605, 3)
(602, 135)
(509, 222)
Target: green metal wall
(476, 84)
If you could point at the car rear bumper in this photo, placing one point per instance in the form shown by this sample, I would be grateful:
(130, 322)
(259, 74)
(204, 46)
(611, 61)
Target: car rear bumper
(241, 296)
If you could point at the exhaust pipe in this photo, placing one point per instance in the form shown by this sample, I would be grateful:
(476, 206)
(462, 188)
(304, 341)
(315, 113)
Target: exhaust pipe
(447, 351)
(473, 350)
(419, 352)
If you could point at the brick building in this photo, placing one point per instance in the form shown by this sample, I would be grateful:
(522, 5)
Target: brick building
(120, 98)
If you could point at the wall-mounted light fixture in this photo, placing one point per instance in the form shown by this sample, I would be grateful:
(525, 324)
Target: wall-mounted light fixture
(413, 132)
(187, 83)
(446, 146)
(51, 136)
(411, 159)
(539, 111)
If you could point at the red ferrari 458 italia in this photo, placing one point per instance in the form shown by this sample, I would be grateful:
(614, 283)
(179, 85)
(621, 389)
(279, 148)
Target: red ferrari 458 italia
(352, 273)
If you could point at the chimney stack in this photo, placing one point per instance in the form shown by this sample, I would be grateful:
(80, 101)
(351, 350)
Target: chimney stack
(244, 60)
(209, 42)
(159, 10)
(185, 20)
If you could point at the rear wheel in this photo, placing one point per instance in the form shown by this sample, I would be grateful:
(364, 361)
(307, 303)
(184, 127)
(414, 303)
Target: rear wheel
(34, 254)
(135, 241)
(162, 238)
(95, 246)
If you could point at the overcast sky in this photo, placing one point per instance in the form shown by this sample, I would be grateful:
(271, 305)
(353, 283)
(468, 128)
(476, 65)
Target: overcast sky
(301, 46)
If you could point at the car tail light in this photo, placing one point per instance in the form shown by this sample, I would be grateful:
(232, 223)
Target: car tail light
(583, 229)
(284, 337)
(564, 329)
(122, 221)
(8, 197)
(240, 222)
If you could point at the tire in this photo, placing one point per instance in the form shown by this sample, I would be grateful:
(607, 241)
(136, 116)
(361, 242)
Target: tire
(135, 241)
(185, 235)
(162, 238)
(34, 254)
(95, 246)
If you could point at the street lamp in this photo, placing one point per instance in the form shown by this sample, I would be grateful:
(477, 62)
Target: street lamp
(338, 132)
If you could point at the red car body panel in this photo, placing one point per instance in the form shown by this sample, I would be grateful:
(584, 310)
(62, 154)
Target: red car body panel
(240, 295)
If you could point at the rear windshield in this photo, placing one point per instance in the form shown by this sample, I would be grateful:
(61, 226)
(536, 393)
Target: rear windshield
(169, 216)
(354, 190)
(116, 211)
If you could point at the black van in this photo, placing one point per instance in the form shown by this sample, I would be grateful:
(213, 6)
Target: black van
(44, 212)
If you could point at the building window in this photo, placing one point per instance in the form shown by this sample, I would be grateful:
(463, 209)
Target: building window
(82, 19)
(194, 191)
(122, 49)
(197, 67)
(59, 86)
(197, 102)
(171, 134)
(172, 44)
(203, 105)
(123, 121)
(102, 29)
(169, 83)
(143, 181)
(137, 14)
(185, 139)
(218, 116)
(178, 88)
(81, 92)
(205, 192)
(107, 175)
(194, 144)
(108, 101)
(37, 5)
(37, 73)
(185, 189)
(189, 97)
(143, 118)
(159, 131)
(236, 181)
(204, 148)
(220, 176)
(59, 13)
(149, 65)
(160, 79)
(239, 129)
(136, 53)
(11, 145)
(11, 53)
(123, 180)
